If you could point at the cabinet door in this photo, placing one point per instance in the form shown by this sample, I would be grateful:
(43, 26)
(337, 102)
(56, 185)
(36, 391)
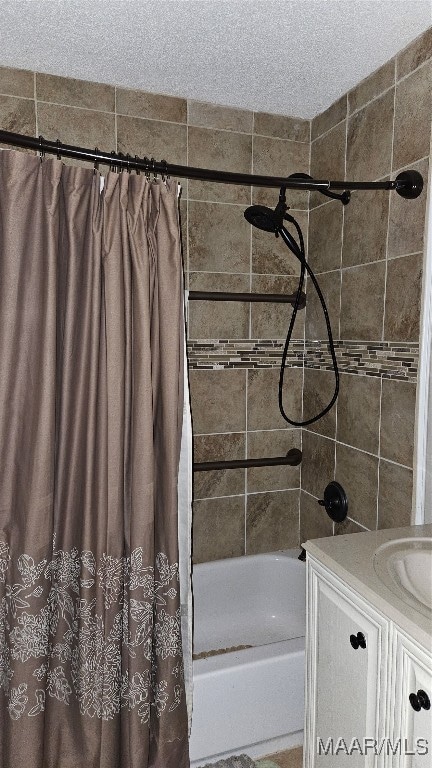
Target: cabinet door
(345, 685)
(412, 672)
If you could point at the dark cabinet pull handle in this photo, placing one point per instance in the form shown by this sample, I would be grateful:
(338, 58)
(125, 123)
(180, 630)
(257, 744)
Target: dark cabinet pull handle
(419, 700)
(358, 640)
(424, 699)
(413, 699)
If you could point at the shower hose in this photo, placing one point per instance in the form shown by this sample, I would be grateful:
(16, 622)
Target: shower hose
(299, 250)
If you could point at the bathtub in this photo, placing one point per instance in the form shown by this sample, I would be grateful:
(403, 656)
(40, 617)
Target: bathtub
(249, 700)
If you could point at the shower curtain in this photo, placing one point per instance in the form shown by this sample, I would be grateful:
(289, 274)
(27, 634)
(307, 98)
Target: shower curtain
(91, 409)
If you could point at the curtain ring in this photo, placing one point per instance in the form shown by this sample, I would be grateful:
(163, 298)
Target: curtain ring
(164, 172)
(147, 170)
(128, 159)
(112, 165)
(153, 161)
(41, 149)
(137, 169)
(96, 164)
(58, 142)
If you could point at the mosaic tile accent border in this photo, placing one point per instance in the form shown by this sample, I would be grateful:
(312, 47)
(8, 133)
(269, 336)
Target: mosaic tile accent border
(243, 353)
(388, 359)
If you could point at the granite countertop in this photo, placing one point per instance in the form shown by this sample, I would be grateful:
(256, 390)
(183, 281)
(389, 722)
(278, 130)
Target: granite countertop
(350, 557)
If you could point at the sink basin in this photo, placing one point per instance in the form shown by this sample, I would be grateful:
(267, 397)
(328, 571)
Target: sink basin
(405, 567)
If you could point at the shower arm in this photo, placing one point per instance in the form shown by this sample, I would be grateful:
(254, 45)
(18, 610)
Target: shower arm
(408, 184)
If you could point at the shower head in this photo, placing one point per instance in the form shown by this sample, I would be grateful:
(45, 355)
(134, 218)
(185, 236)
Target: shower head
(273, 221)
(263, 218)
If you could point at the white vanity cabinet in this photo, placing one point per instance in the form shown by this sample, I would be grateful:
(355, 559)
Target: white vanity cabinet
(360, 672)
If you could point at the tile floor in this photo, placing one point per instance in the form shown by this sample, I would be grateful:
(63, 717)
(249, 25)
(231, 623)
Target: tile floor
(292, 758)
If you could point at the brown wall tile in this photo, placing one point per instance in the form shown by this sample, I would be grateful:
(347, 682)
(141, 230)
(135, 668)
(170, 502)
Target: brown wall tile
(328, 159)
(314, 520)
(218, 320)
(347, 527)
(218, 281)
(397, 421)
(379, 81)
(362, 302)
(219, 483)
(358, 411)
(262, 398)
(413, 110)
(272, 521)
(325, 237)
(152, 138)
(415, 54)
(281, 127)
(365, 228)
(357, 472)
(315, 326)
(270, 255)
(370, 140)
(17, 115)
(77, 126)
(268, 319)
(153, 106)
(225, 151)
(219, 238)
(218, 400)
(75, 93)
(206, 115)
(17, 82)
(276, 442)
(403, 298)
(220, 447)
(407, 219)
(318, 463)
(318, 389)
(329, 118)
(395, 495)
(218, 529)
(275, 157)
(229, 482)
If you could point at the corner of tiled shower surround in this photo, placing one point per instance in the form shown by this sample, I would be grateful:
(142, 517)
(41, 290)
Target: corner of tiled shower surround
(368, 258)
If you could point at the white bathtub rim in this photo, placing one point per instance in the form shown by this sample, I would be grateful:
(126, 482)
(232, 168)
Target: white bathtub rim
(279, 554)
(248, 656)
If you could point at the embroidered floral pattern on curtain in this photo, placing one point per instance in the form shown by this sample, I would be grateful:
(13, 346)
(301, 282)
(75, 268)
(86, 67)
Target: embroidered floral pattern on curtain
(86, 661)
(91, 410)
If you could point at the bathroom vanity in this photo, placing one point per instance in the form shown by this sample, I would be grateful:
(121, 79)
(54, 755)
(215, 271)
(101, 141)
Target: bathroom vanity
(369, 650)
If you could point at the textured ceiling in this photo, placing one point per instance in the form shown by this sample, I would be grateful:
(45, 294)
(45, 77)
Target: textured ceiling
(288, 56)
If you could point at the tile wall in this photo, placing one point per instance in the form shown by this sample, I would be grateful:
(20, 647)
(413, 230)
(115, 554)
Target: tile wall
(370, 270)
(235, 347)
(234, 404)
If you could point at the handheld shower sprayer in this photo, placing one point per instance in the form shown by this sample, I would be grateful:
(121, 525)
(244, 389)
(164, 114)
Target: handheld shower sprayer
(273, 221)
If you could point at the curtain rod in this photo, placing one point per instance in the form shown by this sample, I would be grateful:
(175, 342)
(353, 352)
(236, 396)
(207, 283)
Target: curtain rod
(408, 184)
